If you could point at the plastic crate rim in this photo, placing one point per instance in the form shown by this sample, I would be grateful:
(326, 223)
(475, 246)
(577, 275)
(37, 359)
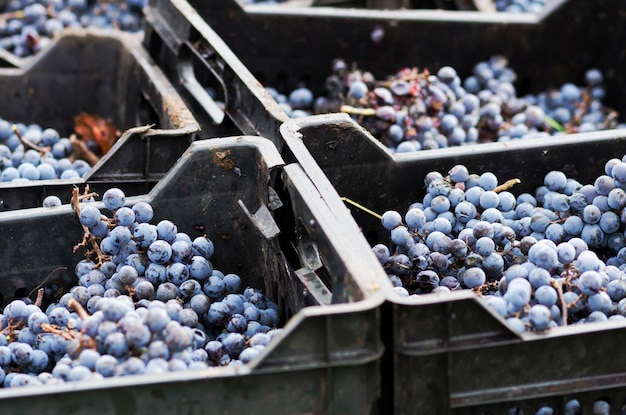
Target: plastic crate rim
(392, 17)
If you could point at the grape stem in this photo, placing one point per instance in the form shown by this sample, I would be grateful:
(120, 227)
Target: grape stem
(80, 151)
(39, 299)
(349, 109)
(72, 303)
(88, 239)
(610, 120)
(38, 287)
(582, 108)
(363, 208)
(507, 185)
(28, 143)
(557, 286)
(10, 331)
(67, 335)
(17, 14)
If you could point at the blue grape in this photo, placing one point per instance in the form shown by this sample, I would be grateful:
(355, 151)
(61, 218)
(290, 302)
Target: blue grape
(143, 212)
(166, 230)
(391, 219)
(113, 199)
(203, 247)
(159, 252)
(144, 234)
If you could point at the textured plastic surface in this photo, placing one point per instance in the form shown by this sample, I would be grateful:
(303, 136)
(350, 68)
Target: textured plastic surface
(107, 73)
(194, 58)
(284, 46)
(453, 354)
(327, 360)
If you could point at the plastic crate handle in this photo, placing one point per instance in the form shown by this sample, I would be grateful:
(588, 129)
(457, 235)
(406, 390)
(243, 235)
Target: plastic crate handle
(189, 81)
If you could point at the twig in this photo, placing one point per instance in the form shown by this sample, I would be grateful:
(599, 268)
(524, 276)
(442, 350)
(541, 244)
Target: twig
(559, 291)
(39, 299)
(82, 313)
(507, 185)
(610, 120)
(87, 238)
(44, 281)
(67, 335)
(582, 109)
(80, 151)
(28, 143)
(358, 111)
(10, 330)
(363, 208)
(17, 14)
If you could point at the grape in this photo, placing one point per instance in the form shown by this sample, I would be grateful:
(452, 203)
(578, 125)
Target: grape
(177, 273)
(22, 354)
(51, 201)
(540, 316)
(143, 212)
(113, 199)
(182, 252)
(555, 181)
(235, 303)
(166, 230)
(233, 344)
(616, 290)
(159, 252)
(120, 235)
(301, 98)
(203, 247)
(144, 234)
(124, 216)
(543, 256)
(232, 283)
(546, 295)
(473, 277)
(89, 216)
(391, 219)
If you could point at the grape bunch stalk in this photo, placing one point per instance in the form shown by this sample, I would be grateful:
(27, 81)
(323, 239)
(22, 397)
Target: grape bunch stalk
(540, 261)
(147, 300)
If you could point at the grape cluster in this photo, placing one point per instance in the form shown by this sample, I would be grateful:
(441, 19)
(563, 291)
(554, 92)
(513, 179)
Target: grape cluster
(28, 26)
(520, 6)
(571, 407)
(542, 260)
(412, 110)
(151, 302)
(53, 158)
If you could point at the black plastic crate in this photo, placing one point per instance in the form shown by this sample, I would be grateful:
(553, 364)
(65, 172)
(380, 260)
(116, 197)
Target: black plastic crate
(285, 241)
(453, 354)
(286, 46)
(195, 58)
(107, 73)
(430, 368)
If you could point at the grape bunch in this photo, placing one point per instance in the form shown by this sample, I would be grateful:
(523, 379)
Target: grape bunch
(553, 258)
(571, 407)
(415, 110)
(28, 26)
(148, 300)
(520, 6)
(45, 156)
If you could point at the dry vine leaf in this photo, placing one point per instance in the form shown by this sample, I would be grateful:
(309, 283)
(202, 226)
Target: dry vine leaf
(221, 159)
(91, 127)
